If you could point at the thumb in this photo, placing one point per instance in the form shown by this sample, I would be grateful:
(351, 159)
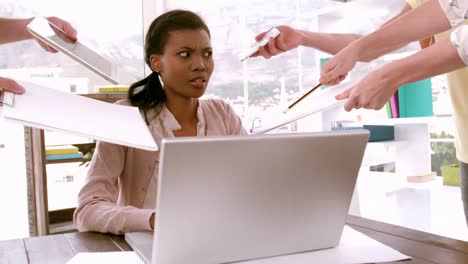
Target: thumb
(343, 95)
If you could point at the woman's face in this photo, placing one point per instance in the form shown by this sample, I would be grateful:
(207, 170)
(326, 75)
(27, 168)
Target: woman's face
(186, 64)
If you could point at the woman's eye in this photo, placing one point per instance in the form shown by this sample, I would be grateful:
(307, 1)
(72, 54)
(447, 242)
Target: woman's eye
(208, 53)
(184, 54)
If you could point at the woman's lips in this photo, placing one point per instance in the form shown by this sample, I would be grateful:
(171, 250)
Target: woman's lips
(199, 83)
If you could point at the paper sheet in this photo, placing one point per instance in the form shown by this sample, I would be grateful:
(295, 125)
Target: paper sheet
(354, 247)
(121, 257)
(316, 102)
(47, 108)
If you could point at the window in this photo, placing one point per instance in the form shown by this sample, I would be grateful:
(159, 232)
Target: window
(113, 29)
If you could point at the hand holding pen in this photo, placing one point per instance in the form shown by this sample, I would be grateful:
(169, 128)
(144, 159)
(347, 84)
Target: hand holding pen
(288, 39)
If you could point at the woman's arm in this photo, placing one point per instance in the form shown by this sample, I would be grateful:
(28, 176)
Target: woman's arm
(97, 201)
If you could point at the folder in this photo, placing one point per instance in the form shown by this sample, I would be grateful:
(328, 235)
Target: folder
(415, 99)
(50, 109)
(317, 102)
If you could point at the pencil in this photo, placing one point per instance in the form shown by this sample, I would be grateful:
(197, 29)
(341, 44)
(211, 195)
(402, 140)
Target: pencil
(304, 96)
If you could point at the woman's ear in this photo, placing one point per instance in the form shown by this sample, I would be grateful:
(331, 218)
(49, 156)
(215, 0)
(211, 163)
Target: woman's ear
(155, 62)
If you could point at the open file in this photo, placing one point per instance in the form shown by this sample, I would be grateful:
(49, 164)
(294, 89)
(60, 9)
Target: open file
(50, 109)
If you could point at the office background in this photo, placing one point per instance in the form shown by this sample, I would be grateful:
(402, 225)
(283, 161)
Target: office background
(254, 87)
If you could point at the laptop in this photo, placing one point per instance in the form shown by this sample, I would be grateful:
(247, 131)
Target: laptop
(53, 36)
(240, 198)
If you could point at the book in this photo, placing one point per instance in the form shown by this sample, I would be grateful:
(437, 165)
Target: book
(108, 89)
(63, 149)
(415, 99)
(388, 109)
(423, 177)
(51, 109)
(64, 156)
(394, 106)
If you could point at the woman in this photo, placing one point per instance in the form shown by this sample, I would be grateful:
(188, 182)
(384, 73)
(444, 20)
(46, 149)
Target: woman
(120, 191)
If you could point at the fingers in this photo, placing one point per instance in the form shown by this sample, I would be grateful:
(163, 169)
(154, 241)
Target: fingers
(350, 104)
(272, 48)
(262, 52)
(11, 86)
(260, 36)
(343, 95)
(71, 31)
(329, 73)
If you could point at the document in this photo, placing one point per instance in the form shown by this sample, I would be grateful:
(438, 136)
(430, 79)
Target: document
(122, 257)
(354, 247)
(50, 109)
(316, 102)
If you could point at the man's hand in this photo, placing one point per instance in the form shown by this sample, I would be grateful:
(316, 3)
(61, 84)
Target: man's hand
(372, 92)
(289, 38)
(11, 86)
(66, 27)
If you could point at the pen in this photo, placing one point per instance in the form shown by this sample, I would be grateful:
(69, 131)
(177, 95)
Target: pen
(273, 33)
(304, 96)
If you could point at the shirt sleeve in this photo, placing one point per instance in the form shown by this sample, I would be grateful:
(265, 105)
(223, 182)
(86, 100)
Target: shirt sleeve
(456, 11)
(459, 39)
(97, 201)
(235, 123)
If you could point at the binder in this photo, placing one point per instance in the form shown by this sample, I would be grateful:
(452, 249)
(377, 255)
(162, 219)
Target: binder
(415, 99)
(50, 109)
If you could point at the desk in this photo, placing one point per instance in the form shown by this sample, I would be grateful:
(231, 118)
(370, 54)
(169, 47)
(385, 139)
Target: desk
(423, 247)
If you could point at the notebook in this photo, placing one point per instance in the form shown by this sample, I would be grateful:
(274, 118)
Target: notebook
(240, 198)
(50, 109)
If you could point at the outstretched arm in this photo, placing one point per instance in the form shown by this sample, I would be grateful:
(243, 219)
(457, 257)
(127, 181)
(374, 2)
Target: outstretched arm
(420, 23)
(375, 89)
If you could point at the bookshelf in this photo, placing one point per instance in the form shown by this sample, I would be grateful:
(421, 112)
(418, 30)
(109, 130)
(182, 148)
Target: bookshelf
(41, 220)
(411, 141)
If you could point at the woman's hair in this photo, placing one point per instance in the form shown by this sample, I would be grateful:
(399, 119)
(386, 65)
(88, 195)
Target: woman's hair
(148, 93)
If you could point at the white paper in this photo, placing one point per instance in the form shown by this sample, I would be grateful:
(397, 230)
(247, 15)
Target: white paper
(51, 109)
(121, 257)
(316, 102)
(354, 247)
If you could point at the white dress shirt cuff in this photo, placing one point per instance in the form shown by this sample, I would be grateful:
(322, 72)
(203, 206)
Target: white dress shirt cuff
(459, 39)
(456, 11)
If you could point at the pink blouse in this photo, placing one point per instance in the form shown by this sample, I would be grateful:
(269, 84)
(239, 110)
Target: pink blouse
(119, 178)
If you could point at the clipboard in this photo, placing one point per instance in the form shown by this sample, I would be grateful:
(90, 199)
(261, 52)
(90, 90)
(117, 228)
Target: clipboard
(51, 109)
(6, 98)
